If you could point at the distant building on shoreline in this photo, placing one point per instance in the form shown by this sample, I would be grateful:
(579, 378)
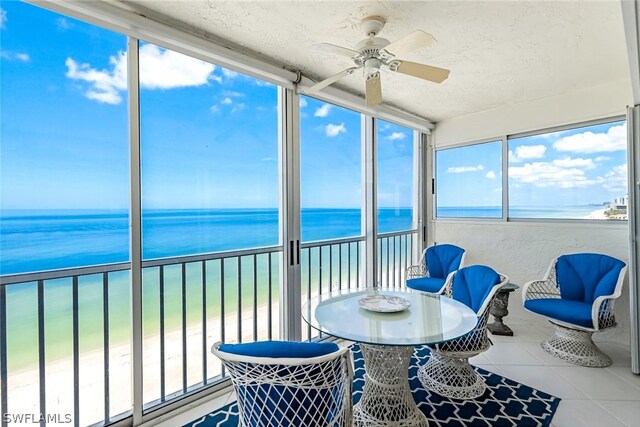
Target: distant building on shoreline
(617, 210)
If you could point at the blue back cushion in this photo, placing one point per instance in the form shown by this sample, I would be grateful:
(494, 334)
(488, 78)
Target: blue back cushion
(443, 259)
(279, 349)
(472, 285)
(584, 277)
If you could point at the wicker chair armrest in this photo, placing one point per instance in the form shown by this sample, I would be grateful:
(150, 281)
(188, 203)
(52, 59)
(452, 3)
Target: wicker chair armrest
(414, 271)
(603, 312)
(537, 289)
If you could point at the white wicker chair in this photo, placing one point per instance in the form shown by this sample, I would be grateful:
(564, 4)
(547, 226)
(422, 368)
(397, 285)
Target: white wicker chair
(288, 391)
(578, 304)
(448, 372)
(437, 263)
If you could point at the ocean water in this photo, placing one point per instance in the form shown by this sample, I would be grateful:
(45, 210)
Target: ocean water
(47, 240)
(531, 212)
(32, 241)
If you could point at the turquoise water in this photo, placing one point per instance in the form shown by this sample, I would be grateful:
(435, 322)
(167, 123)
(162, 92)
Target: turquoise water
(33, 241)
(48, 240)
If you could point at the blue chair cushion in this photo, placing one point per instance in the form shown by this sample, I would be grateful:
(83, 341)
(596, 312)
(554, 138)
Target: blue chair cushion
(573, 312)
(472, 285)
(280, 349)
(443, 259)
(426, 284)
(584, 277)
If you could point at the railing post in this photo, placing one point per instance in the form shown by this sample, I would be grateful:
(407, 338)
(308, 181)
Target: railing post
(290, 292)
(369, 200)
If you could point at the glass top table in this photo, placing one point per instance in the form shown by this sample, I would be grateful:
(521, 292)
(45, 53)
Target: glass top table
(387, 341)
(430, 319)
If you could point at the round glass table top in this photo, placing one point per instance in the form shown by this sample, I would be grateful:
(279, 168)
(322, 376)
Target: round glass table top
(430, 319)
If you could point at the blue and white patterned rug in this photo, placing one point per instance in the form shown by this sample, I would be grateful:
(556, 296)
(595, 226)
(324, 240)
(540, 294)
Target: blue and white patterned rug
(505, 403)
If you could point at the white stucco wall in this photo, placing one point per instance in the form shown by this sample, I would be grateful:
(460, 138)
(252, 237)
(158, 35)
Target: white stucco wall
(523, 250)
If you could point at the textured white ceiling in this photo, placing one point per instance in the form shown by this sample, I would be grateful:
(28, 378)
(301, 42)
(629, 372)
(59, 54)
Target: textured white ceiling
(499, 52)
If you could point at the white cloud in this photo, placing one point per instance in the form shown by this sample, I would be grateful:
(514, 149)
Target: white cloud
(462, 169)
(396, 135)
(14, 56)
(568, 162)
(602, 158)
(525, 152)
(323, 110)
(229, 73)
(215, 109)
(159, 69)
(335, 130)
(550, 174)
(588, 142)
(262, 83)
(616, 179)
(226, 101)
(238, 107)
(232, 94)
(303, 103)
(105, 85)
(491, 175)
(166, 69)
(63, 24)
(3, 17)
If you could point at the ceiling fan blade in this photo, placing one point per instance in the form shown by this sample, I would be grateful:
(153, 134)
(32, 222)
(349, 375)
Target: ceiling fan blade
(422, 71)
(332, 48)
(373, 94)
(326, 82)
(410, 42)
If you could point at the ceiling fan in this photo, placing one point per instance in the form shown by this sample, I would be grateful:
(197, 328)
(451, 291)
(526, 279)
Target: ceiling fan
(375, 53)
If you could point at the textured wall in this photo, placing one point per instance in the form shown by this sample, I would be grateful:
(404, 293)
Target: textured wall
(523, 251)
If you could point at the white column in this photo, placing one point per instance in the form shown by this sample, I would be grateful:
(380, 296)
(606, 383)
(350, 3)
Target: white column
(421, 182)
(369, 200)
(633, 208)
(289, 164)
(135, 217)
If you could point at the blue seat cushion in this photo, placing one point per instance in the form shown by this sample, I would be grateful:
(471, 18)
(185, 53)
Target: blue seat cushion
(472, 285)
(443, 259)
(279, 349)
(573, 312)
(584, 277)
(426, 284)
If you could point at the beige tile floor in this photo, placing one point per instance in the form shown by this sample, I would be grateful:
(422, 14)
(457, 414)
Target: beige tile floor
(591, 397)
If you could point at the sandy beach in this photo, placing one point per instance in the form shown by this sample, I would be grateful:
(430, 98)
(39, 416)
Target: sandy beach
(23, 385)
(597, 214)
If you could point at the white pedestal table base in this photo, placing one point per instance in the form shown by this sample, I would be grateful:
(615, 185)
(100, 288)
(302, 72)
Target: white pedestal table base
(386, 397)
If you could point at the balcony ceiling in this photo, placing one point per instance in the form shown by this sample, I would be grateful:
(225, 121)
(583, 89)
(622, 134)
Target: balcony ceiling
(500, 53)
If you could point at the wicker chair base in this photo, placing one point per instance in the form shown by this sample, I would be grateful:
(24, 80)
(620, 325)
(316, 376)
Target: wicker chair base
(386, 397)
(575, 347)
(452, 377)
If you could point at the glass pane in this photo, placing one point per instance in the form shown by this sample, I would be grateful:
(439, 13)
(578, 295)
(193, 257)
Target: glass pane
(578, 173)
(395, 177)
(210, 184)
(330, 171)
(330, 191)
(64, 172)
(468, 181)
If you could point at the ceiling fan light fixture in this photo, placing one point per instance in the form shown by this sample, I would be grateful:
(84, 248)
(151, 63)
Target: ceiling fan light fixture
(375, 53)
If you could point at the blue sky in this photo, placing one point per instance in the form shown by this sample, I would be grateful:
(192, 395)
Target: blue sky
(580, 166)
(209, 135)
